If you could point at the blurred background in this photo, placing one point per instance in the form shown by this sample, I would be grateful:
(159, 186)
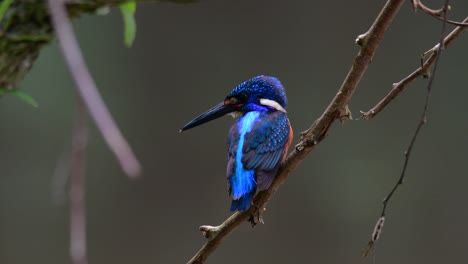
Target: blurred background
(186, 58)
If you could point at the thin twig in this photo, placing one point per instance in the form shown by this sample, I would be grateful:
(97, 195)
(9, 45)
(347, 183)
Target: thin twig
(77, 186)
(87, 89)
(421, 71)
(437, 13)
(379, 225)
(337, 109)
(417, 4)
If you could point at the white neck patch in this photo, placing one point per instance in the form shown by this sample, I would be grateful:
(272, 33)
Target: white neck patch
(235, 114)
(273, 104)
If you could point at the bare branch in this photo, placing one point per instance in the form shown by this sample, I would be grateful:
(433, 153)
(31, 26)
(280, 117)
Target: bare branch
(77, 186)
(422, 121)
(87, 89)
(423, 70)
(437, 13)
(337, 109)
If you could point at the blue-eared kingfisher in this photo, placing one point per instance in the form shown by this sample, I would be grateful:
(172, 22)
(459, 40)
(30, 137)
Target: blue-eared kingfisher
(259, 139)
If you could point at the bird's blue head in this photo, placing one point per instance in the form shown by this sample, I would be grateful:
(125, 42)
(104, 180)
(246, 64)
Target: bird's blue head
(261, 93)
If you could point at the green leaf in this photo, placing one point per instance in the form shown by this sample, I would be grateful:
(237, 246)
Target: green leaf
(128, 14)
(4, 7)
(20, 95)
(25, 98)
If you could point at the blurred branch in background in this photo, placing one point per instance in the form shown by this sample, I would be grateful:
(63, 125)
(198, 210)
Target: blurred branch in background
(26, 27)
(380, 222)
(77, 185)
(88, 91)
(337, 109)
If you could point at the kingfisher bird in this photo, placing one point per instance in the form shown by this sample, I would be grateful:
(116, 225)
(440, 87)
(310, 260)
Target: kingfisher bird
(259, 139)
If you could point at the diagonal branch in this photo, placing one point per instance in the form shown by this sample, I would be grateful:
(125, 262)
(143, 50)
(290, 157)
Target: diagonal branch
(77, 186)
(421, 71)
(380, 222)
(337, 109)
(88, 91)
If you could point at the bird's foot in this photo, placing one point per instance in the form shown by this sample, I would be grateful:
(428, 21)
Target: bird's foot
(256, 217)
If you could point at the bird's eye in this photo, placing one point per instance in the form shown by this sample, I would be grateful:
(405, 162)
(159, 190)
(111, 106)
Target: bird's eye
(242, 97)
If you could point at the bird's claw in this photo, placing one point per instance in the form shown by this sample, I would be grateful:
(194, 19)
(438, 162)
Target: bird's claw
(256, 217)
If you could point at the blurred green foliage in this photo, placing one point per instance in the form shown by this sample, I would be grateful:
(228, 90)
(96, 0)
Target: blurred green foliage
(128, 14)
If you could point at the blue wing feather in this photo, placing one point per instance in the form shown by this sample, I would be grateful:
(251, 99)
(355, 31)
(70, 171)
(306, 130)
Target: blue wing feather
(262, 151)
(266, 142)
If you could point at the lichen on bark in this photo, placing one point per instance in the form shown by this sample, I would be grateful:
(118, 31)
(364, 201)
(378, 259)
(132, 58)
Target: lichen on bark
(24, 29)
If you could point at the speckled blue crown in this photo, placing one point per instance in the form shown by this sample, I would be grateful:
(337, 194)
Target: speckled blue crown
(262, 86)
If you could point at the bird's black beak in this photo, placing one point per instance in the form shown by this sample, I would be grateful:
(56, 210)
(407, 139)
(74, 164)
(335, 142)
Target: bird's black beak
(217, 111)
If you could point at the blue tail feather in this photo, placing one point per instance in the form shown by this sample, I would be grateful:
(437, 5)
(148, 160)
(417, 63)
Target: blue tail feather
(243, 203)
